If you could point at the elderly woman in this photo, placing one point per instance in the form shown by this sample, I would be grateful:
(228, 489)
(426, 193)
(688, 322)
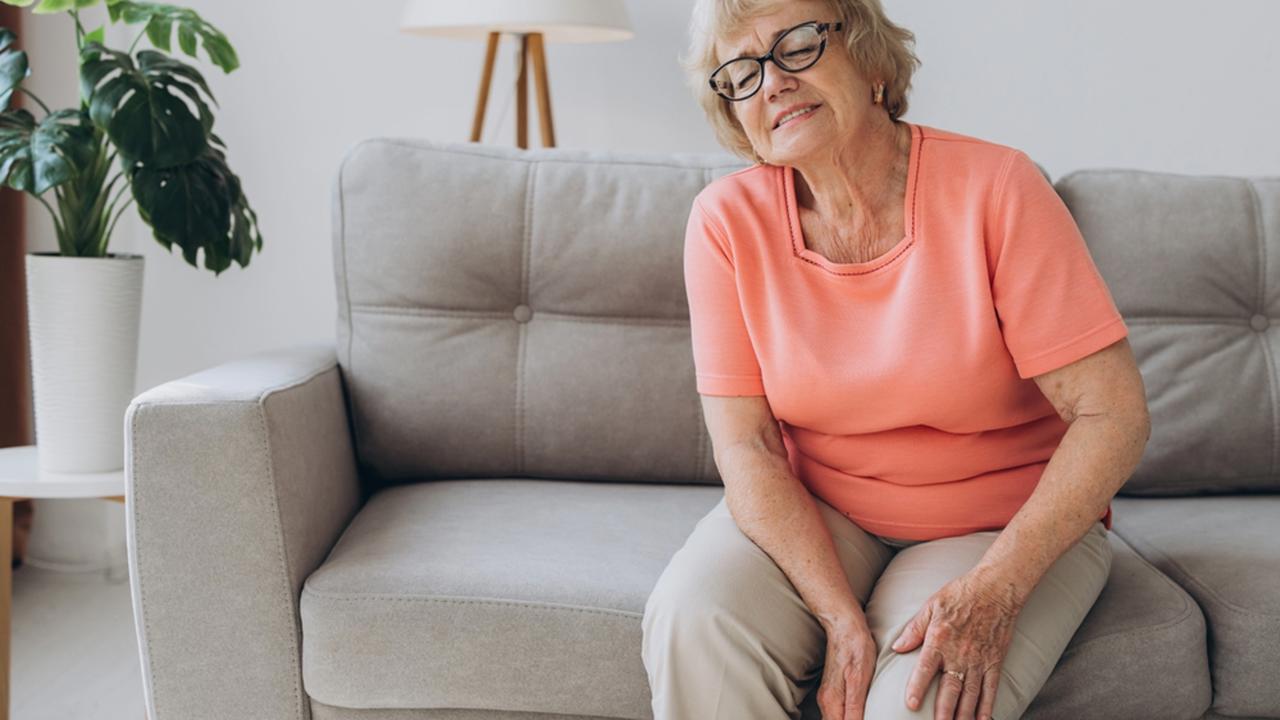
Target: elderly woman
(920, 394)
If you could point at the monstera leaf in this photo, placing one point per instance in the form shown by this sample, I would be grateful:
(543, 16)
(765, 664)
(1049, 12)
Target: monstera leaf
(161, 19)
(142, 107)
(196, 205)
(13, 67)
(151, 111)
(47, 7)
(37, 156)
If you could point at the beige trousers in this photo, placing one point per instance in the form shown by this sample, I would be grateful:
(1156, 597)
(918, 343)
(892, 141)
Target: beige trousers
(727, 637)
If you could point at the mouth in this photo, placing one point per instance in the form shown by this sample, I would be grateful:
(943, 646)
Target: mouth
(796, 114)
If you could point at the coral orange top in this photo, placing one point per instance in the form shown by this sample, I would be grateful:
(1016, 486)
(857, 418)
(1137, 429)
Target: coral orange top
(902, 385)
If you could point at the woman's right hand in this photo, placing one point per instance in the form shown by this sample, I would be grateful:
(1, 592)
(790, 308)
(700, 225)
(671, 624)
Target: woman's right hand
(846, 677)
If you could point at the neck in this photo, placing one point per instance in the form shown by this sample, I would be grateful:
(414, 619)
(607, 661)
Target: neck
(848, 185)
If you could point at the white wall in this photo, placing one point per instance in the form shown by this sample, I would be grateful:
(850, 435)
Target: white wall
(1168, 85)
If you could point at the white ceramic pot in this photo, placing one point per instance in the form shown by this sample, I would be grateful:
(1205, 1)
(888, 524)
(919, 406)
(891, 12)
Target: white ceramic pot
(83, 315)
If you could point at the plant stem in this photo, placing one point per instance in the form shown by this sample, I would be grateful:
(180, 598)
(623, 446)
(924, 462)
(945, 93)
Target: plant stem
(79, 30)
(46, 207)
(118, 192)
(32, 95)
(57, 224)
(117, 217)
(135, 40)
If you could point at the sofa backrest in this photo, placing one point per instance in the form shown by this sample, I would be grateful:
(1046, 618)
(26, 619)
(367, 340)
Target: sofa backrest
(1193, 263)
(522, 313)
(518, 313)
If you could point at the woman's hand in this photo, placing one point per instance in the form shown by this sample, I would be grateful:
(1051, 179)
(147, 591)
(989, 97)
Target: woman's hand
(850, 665)
(966, 626)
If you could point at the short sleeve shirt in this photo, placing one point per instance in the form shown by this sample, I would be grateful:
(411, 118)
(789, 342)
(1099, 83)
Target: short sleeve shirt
(902, 385)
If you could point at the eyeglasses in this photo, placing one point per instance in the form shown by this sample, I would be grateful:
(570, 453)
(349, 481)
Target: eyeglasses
(796, 49)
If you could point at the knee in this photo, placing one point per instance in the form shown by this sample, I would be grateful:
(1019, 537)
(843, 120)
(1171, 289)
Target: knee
(887, 699)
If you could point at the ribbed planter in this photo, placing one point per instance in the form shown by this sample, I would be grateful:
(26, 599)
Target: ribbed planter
(83, 316)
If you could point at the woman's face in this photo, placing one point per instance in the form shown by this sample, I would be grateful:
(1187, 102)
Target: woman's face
(833, 84)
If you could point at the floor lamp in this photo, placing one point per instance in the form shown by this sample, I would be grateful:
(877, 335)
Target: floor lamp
(534, 22)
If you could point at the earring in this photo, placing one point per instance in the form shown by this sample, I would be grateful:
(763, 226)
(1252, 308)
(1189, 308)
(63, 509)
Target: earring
(879, 94)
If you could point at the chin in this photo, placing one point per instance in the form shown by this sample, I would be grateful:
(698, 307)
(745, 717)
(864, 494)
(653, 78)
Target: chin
(792, 152)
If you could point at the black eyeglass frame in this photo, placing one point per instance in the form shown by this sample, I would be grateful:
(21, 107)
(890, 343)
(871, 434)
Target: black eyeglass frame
(822, 29)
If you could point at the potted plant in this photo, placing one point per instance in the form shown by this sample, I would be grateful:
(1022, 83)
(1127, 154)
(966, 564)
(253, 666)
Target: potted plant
(144, 115)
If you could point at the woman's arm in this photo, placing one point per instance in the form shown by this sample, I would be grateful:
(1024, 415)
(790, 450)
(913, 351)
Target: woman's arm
(1103, 400)
(773, 508)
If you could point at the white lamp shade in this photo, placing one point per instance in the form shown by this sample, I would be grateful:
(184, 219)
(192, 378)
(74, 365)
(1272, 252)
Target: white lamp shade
(559, 21)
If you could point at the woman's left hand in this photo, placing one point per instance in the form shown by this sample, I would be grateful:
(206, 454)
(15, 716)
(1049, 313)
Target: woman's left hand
(966, 626)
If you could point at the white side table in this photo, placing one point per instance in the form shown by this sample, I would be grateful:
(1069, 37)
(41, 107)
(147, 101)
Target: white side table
(22, 478)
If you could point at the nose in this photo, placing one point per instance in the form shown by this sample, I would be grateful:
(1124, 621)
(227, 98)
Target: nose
(776, 80)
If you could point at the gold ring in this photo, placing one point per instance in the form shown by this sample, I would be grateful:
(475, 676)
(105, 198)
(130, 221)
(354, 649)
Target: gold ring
(959, 675)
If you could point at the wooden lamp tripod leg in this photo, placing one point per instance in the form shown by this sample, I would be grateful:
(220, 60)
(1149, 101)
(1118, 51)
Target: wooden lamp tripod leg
(544, 91)
(522, 94)
(478, 123)
(531, 49)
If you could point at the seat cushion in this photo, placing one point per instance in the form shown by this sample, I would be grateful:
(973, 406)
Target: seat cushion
(1140, 652)
(1225, 551)
(522, 595)
(501, 594)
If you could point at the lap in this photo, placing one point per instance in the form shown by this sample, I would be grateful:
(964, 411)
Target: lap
(719, 559)
(720, 571)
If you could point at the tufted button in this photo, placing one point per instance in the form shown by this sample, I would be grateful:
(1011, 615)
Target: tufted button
(1259, 322)
(523, 313)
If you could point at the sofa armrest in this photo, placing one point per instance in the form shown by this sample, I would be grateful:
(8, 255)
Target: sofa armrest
(238, 479)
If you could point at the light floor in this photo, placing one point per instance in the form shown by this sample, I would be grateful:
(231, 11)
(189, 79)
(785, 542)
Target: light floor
(74, 654)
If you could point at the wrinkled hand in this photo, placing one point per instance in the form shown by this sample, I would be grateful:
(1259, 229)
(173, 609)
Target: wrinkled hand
(965, 626)
(846, 677)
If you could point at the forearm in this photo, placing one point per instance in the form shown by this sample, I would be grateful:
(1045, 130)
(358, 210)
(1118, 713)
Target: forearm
(775, 510)
(1097, 454)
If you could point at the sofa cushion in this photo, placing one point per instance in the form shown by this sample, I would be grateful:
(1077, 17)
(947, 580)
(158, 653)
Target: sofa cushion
(1140, 652)
(1225, 551)
(502, 594)
(526, 596)
(537, 295)
(1192, 263)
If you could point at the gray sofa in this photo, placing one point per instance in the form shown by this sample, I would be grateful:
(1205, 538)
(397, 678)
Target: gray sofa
(458, 510)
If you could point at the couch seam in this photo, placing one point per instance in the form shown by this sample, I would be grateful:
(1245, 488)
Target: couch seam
(1258, 232)
(1192, 488)
(362, 597)
(501, 315)
(521, 332)
(346, 289)
(142, 590)
(1186, 320)
(282, 554)
(1133, 171)
(1192, 580)
(567, 161)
